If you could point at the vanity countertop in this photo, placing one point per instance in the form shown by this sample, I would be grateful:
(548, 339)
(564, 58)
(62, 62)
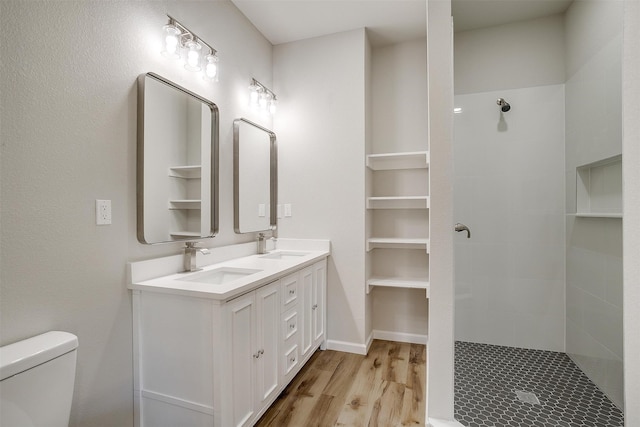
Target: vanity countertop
(270, 269)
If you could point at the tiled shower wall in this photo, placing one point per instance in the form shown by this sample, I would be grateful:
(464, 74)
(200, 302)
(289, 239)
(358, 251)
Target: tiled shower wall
(593, 33)
(509, 175)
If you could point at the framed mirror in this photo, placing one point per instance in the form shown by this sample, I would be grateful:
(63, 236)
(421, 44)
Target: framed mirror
(255, 177)
(177, 164)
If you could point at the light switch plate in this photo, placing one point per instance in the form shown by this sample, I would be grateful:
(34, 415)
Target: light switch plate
(287, 210)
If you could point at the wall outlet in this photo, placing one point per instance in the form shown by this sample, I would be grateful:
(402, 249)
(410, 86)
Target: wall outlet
(103, 212)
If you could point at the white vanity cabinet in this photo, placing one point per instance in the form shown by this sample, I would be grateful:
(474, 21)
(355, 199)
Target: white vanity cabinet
(203, 361)
(313, 281)
(251, 322)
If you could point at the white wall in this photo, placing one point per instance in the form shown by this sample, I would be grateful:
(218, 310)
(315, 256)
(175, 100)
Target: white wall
(440, 128)
(399, 108)
(509, 170)
(631, 225)
(68, 137)
(520, 54)
(321, 142)
(594, 245)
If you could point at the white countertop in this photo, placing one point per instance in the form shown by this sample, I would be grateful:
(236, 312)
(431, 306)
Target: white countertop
(270, 270)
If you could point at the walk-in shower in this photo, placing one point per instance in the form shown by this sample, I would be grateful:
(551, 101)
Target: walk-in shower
(538, 286)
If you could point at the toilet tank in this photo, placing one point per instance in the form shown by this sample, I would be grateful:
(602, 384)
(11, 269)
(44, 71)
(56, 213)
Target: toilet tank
(36, 380)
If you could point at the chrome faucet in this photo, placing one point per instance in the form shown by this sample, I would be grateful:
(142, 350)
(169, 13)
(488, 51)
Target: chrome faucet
(262, 244)
(190, 251)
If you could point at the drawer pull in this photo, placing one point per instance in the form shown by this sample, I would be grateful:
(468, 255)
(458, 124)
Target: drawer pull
(291, 291)
(314, 306)
(292, 326)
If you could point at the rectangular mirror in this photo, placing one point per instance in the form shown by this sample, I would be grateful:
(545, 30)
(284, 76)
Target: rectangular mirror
(177, 176)
(255, 177)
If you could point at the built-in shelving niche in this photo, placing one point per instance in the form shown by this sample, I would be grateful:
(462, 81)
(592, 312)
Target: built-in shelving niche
(399, 261)
(599, 189)
(186, 208)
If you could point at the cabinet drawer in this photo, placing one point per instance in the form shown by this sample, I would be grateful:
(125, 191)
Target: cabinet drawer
(291, 359)
(289, 323)
(289, 291)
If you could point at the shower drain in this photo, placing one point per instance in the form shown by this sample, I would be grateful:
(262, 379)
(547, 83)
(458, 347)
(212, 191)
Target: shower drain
(527, 397)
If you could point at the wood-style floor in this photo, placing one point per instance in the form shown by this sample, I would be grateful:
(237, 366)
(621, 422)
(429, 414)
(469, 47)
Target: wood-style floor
(386, 388)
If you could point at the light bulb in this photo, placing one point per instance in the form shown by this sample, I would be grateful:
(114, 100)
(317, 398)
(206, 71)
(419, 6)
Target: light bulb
(264, 101)
(193, 56)
(253, 95)
(170, 47)
(211, 67)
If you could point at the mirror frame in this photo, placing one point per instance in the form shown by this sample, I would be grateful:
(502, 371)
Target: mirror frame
(214, 161)
(273, 177)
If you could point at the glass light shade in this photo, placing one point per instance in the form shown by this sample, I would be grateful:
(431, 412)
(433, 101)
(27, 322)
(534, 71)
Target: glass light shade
(193, 49)
(273, 105)
(211, 67)
(254, 95)
(171, 45)
(264, 101)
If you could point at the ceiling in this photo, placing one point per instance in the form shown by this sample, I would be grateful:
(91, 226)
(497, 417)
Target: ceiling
(387, 21)
(474, 14)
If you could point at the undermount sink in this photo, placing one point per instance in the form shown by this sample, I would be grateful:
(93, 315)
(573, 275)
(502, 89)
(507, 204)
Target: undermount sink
(219, 276)
(284, 255)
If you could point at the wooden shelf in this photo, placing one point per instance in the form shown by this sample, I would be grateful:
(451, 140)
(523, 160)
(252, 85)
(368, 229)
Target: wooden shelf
(597, 215)
(398, 202)
(397, 243)
(187, 172)
(391, 161)
(398, 282)
(184, 204)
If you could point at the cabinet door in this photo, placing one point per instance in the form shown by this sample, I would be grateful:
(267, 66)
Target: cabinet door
(268, 322)
(306, 282)
(241, 317)
(318, 306)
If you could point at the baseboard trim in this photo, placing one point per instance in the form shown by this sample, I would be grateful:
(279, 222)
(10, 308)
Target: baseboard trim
(347, 347)
(369, 341)
(399, 337)
(434, 422)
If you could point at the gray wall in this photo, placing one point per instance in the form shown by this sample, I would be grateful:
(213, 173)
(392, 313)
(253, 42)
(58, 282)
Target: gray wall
(321, 140)
(68, 136)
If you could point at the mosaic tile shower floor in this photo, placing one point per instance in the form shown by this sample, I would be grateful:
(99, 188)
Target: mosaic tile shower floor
(487, 378)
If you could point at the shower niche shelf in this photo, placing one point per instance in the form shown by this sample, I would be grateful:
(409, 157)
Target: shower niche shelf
(599, 189)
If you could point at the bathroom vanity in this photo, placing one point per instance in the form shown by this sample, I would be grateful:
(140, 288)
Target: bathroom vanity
(216, 347)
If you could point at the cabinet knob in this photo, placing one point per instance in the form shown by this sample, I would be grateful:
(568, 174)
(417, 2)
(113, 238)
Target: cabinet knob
(261, 351)
(255, 356)
(314, 306)
(292, 360)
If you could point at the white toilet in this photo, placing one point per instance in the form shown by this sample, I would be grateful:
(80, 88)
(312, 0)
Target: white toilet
(36, 380)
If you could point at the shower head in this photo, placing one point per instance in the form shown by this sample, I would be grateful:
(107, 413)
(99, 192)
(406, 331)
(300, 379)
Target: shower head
(504, 105)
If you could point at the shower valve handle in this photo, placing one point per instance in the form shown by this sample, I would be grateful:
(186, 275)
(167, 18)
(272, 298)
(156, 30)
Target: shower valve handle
(461, 227)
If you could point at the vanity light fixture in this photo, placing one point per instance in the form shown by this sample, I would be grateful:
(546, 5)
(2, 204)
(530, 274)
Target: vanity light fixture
(198, 55)
(261, 97)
